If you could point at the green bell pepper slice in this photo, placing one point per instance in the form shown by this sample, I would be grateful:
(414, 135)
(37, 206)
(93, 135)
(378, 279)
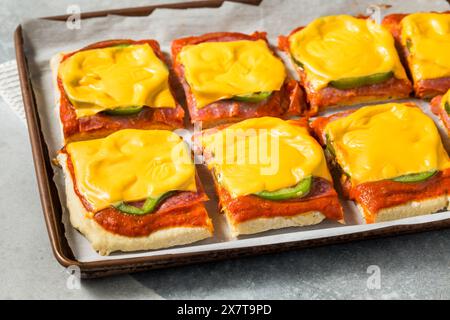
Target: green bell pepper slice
(300, 190)
(149, 205)
(298, 63)
(328, 146)
(408, 45)
(416, 177)
(124, 111)
(349, 83)
(253, 97)
(447, 107)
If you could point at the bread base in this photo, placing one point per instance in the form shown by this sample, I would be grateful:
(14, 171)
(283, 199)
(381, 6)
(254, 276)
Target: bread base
(409, 209)
(354, 101)
(263, 224)
(105, 242)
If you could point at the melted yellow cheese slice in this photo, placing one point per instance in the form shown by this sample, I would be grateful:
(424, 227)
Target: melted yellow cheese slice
(119, 76)
(428, 37)
(264, 154)
(222, 70)
(338, 47)
(131, 165)
(386, 141)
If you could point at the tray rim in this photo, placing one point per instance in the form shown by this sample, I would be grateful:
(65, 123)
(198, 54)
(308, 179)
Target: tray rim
(51, 204)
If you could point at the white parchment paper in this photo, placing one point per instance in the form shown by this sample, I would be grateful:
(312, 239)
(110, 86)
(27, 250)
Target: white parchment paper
(43, 39)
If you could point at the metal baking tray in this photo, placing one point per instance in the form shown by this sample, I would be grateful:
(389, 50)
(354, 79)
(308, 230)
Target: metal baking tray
(52, 204)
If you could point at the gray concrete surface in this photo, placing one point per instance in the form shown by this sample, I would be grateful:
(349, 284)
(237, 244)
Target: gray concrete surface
(411, 267)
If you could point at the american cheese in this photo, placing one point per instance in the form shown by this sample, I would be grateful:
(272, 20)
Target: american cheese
(131, 165)
(222, 70)
(427, 35)
(264, 154)
(337, 47)
(386, 141)
(119, 76)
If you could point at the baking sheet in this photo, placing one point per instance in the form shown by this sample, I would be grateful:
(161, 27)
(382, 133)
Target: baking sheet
(43, 39)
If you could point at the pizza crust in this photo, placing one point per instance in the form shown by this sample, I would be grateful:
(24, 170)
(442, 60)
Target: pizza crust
(54, 66)
(263, 224)
(410, 209)
(105, 242)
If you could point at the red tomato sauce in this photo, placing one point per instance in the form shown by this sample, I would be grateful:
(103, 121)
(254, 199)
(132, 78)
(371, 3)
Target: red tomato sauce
(374, 196)
(322, 197)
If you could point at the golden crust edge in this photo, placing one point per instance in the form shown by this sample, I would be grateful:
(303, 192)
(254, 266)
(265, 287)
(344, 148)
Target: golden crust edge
(410, 209)
(358, 100)
(262, 224)
(55, 61)
(105, 242)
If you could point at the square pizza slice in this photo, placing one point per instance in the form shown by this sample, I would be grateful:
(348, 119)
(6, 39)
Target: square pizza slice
(228, 77)
(114, 85)
(134, 190)
(389, 159)
(423, 40)
(344, 60)
(269, 174)
(440, 106)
